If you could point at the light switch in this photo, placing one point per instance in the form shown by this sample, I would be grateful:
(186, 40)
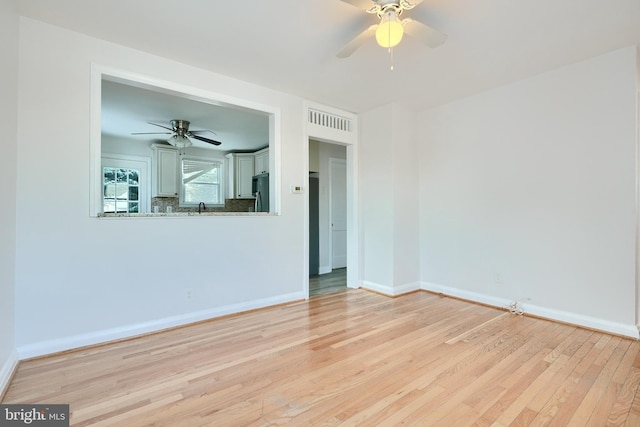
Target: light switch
(297, 189)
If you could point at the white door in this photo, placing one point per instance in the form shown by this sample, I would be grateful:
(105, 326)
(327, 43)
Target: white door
(338, 200)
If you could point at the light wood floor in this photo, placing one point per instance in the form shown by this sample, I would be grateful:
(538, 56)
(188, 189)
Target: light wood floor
(349, 358)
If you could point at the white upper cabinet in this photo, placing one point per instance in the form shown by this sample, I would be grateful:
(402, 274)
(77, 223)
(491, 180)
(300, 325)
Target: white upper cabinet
(165, 169)
(262, 161)
(240, 167)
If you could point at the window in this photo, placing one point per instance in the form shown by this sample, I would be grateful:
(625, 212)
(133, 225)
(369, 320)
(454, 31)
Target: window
(201, 182)
(121, 190)
(125, 184)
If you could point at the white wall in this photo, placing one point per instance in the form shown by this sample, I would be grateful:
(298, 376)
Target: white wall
(376, 202)
(80, 279)
(8, 122)
(390, 200)
(535, 182)
(131, 147)
(405, 200)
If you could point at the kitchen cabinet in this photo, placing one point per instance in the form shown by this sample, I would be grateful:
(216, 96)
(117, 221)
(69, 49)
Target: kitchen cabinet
(240, 167)
(261, 161)
(165, 169)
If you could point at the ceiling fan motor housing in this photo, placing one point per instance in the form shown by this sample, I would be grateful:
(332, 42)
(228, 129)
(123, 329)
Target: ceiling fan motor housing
(181, 127)
(381, 7)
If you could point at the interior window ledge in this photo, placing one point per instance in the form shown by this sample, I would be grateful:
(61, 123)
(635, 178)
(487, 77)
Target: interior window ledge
(181, 214)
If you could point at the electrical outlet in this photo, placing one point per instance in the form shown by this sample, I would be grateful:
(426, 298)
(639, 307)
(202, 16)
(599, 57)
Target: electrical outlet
(188, 295)
(498, 278)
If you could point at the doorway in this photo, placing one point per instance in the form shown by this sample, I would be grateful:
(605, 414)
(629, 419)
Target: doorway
(327, 217)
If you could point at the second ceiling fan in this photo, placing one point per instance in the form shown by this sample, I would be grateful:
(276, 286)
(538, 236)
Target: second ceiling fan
(390, 30)
(180, 134)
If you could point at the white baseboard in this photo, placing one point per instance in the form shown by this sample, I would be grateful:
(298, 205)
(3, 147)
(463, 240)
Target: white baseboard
(630, 331)
(372, 286)
(6, 371)
(547, 313)
(406, 288)
(53, 346)
(392, 291)
(467, 295)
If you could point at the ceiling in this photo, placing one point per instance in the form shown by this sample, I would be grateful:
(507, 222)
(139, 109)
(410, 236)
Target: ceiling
(290, 45)
(128, 109)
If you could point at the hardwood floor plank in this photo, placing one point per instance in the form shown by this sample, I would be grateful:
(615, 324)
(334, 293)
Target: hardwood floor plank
(525, 418)
(561, 377)
(471, 331)
(610, 359)
(348, 358)
(489, 370)
(624, 399)
(563, 404)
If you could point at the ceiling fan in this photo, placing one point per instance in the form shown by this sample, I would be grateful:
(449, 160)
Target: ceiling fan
(390, 30)
(180, 134)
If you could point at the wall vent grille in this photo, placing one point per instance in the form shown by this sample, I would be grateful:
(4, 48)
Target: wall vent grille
(331, 121)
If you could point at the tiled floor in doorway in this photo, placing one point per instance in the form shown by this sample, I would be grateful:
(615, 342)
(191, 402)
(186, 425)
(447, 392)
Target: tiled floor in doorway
(330, 282)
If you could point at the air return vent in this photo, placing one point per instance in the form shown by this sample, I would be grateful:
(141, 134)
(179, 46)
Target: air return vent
(331, 121)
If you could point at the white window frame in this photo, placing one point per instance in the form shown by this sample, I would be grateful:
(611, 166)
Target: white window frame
(221, 181)
(124, 161)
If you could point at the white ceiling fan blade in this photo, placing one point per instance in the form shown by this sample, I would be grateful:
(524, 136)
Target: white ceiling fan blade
(368, 4)
(360, 39)
(412, 3)
(427, 35)
(360, 4)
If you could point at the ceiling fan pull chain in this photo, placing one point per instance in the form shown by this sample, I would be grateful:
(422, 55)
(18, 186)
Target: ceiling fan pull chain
(391, 58)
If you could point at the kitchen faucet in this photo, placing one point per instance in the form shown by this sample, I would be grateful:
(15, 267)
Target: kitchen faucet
(201, 207)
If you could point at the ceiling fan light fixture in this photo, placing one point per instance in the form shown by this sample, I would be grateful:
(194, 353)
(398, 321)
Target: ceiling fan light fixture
(390, 30)
(180, 141)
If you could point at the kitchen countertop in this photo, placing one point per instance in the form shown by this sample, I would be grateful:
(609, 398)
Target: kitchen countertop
(181, 214)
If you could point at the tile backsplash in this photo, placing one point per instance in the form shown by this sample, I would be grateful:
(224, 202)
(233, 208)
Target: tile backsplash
(230, 205)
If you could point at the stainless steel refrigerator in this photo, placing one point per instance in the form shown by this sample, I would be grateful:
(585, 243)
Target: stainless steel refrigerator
(260, 189)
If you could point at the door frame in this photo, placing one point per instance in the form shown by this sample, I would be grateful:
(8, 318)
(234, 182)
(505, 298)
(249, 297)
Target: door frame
(345, 133)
